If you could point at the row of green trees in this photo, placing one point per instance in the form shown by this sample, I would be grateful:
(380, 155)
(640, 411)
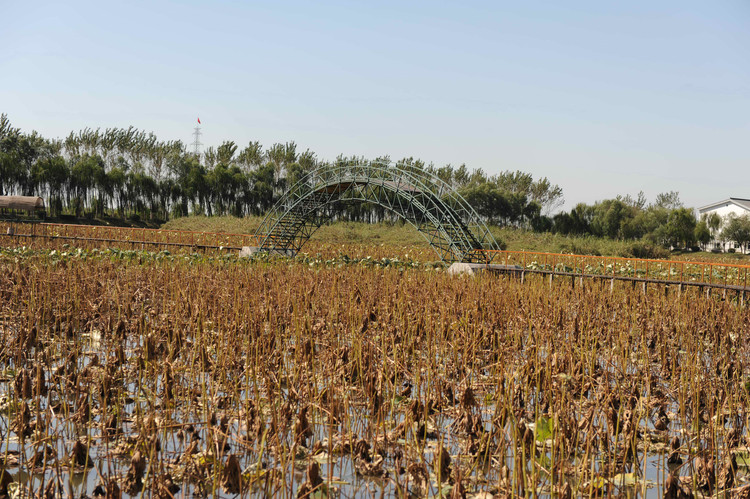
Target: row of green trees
(665, 222)
(127, 172)
(130, 173)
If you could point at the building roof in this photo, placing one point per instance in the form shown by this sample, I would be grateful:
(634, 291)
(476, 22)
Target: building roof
(741, 202)
(28, 203)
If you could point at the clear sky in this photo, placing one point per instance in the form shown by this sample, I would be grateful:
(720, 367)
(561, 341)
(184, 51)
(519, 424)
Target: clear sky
(604, 98)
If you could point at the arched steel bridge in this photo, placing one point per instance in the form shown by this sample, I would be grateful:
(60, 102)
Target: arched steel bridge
(448, 223)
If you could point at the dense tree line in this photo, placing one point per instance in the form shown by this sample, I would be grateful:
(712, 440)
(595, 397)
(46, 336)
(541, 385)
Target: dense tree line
(128, 172)
(665, 222)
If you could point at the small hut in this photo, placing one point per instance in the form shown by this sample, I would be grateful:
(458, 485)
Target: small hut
(14, 205)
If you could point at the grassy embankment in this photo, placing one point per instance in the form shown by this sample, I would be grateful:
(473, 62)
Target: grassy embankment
(404, 235)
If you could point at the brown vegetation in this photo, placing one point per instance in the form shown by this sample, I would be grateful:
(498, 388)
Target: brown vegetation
(243, 377)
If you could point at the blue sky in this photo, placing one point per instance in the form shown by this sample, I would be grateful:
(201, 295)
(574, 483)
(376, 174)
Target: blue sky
(604, 98)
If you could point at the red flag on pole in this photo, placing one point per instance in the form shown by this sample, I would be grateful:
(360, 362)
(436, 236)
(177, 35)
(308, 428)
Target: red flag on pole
(199, 121)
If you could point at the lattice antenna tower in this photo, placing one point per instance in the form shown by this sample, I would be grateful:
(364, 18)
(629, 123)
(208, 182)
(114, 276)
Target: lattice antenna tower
(197, 140)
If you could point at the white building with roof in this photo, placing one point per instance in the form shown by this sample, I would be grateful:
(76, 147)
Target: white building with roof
(726, 208)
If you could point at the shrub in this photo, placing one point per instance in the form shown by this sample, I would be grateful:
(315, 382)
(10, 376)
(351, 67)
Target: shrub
(646, 250)
(580, 247)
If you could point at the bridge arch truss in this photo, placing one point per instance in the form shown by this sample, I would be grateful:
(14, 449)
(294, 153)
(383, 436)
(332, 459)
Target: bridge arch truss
(441, 215)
